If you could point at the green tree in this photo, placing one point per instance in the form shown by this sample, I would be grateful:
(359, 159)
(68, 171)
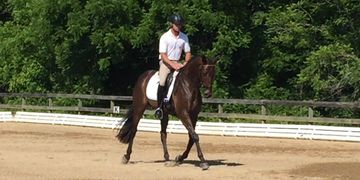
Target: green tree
(265, 49)
(299, 34)
(4, 12)
(102, 46)
(331, 73)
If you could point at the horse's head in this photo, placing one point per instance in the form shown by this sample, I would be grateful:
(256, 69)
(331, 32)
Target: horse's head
(207, 75)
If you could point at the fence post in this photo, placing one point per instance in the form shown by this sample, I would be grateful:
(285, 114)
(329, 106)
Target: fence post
(50, 104)
(23, 103)
(220, 110)
(112, 108)
(310, 112)
(79, 105)
(263, 112)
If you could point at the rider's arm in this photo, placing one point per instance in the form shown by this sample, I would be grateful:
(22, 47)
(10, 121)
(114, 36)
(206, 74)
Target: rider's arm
(187, 50)
(187, 57)
(165, 59)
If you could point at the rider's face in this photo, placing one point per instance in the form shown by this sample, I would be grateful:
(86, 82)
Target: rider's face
(176, 27)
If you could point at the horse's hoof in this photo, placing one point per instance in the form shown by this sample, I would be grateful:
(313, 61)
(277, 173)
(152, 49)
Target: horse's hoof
(204, 166)
(178, 158)
(167, 158)
(171, 164)
(125, 160)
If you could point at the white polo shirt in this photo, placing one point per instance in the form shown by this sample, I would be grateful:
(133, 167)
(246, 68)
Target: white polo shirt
(173, 45)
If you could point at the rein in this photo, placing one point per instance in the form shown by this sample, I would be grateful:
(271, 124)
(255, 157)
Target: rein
(207, 65)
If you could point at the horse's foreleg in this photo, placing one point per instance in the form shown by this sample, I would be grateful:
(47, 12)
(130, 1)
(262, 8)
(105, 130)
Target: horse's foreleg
(195, 138)
(180, 158)
(204, 165)
(163, 136)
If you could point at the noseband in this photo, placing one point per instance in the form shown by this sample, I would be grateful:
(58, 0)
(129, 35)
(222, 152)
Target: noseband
(207, 65)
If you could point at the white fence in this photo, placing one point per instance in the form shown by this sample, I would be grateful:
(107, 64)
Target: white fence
(209, 128)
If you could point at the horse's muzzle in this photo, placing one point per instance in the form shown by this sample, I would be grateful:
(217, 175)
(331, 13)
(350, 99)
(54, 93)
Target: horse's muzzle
(207, 93)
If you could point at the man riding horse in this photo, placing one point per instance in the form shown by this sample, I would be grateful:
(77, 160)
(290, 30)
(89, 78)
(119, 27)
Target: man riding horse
(171, 45)
(186, 98)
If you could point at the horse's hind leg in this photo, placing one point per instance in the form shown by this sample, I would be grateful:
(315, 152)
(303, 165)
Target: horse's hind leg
(126, 157)
(129, 129)
(163, 135)
(136, 116)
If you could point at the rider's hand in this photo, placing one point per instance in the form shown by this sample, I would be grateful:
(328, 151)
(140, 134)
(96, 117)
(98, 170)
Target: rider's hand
(176, 66)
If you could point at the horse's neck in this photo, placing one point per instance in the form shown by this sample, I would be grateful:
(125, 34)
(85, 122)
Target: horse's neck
(192, 73)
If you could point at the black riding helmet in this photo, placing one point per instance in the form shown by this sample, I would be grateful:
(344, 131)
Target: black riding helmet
(177, 19)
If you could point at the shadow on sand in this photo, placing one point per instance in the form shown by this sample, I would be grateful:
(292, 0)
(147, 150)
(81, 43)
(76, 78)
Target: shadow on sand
(217, 162)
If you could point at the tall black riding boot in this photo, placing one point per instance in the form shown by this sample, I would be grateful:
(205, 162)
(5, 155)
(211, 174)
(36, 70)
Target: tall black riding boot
(160, 100)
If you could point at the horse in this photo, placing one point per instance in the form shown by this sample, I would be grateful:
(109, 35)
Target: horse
(186, 102)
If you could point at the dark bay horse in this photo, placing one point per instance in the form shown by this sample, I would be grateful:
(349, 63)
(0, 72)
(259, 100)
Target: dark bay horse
(185, 104)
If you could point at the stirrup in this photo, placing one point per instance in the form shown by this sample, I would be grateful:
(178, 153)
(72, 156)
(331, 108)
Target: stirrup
(159, 113)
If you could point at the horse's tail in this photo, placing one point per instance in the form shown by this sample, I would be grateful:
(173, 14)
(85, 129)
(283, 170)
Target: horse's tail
(127, 130)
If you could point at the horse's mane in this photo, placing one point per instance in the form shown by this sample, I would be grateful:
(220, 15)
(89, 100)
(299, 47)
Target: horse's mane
(191, 69)
(195, 60)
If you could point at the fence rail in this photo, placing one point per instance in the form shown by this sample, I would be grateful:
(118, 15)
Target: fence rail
(263, 115)
(208, 128)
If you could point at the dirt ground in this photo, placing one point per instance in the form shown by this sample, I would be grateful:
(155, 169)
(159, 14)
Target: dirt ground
(37, 151)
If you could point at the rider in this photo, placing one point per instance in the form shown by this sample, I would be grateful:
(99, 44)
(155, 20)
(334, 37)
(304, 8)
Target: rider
(171, 45)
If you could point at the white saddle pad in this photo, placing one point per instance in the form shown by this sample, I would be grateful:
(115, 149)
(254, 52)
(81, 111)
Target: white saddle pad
(152, 87)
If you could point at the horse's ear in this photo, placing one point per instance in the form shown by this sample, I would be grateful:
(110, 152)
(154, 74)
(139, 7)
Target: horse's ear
(212, 60)
(204, 59)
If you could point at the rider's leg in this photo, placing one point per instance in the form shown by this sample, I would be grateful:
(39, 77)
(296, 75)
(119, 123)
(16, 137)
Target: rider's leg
(163, 72)
(160, 100)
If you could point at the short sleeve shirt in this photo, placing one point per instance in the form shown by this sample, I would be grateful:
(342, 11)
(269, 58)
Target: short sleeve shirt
(174, 45)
